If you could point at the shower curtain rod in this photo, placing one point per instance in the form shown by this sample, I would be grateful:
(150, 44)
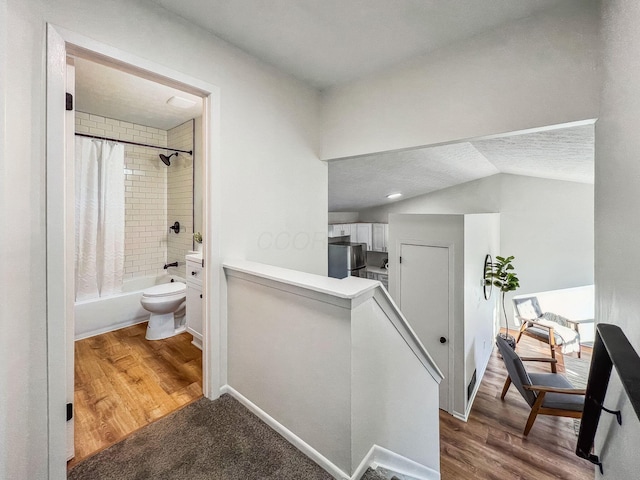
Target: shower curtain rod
(190, 152)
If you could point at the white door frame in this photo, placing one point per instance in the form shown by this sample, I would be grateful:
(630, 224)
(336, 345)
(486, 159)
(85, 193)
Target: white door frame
(59, 216)
(451, 327)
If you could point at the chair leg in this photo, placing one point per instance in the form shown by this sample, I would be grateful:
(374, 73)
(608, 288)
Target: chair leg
(522, 329)
(553, 364)
(507, 384)
(534, 413)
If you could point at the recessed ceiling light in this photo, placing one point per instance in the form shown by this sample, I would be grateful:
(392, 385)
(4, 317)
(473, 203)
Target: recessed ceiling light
(394, 195)
(181, 102)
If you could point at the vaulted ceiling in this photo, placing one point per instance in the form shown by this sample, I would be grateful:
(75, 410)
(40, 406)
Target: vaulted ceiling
(328, 42)
(558, 154)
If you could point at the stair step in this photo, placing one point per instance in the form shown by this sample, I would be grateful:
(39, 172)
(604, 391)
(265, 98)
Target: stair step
(371, 474)
(383, 474)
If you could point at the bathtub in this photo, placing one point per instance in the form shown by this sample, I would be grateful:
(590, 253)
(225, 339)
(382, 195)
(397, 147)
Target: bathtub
(100, 315)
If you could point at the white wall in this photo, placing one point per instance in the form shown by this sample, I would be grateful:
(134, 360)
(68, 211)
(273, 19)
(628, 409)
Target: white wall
(6, 339)
(388, 383)
(272, 180)
(471, 237)
(576, 303)
(481, 237)
(436, 230)
(617, 224)
(291, 356)
(546, 224)
(343, 217)
(334, 363)
(535, 72)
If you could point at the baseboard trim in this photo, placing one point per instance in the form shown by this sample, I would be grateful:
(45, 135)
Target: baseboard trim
(291, 437)
(377, 456)
(381, 457)
(110, 328)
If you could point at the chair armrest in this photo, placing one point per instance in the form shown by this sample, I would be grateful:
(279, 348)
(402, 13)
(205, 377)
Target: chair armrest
(541, 325)
(539, 359)
(523, 320)
(573, 325)
(542, 388)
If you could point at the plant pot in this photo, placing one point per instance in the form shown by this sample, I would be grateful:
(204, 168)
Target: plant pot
(509, 339)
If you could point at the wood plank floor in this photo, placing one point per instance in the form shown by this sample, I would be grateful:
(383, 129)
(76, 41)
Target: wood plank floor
(491, 445)
(124, 382)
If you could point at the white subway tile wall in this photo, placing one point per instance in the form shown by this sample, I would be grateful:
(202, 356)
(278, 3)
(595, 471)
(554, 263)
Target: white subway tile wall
(180, 196)
(146, 225)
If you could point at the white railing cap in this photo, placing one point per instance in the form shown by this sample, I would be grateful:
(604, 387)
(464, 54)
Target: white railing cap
(347, 288)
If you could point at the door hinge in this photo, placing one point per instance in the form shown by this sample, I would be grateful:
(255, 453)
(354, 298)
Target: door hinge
(69, 411)
(69, 102)
(400, 259)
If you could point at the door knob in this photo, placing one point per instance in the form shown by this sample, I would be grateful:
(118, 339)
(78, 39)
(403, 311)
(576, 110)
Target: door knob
(443, 340)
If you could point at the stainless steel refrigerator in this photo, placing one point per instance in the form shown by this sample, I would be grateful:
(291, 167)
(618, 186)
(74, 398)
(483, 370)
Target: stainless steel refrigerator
(346, 259)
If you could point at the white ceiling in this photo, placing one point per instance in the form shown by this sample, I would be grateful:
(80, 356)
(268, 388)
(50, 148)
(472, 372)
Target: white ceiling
(363, 182)
(327, 42)
(111, 93)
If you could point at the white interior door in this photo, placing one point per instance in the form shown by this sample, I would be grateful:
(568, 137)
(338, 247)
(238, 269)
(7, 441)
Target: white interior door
(424, 301)
(70, 247)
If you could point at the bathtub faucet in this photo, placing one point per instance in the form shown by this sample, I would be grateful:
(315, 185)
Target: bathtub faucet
(167, 265)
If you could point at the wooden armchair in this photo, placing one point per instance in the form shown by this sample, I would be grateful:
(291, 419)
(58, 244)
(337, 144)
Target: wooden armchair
(546, 393)
(558, 332)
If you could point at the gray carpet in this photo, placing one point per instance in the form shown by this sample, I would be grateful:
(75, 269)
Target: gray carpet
(213, 440)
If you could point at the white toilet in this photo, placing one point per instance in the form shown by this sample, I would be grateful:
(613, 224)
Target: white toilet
(166, 303)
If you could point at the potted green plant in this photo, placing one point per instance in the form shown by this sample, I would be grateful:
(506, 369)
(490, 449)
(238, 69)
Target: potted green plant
(501, 274)
(197, 238)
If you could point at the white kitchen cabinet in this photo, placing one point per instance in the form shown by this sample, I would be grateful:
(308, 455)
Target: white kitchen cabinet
(194, 298)
(375, 235)
(365, 234)
(343, 229)
(380, 237)
(339, 230)
(381, 275)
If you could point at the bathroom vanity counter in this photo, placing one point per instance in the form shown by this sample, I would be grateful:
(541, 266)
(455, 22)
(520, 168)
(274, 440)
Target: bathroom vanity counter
(194, 257)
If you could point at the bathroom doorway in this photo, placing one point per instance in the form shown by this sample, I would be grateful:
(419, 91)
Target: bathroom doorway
(61, 206)
(138, 162)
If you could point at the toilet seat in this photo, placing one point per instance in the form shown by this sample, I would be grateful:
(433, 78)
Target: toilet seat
(165, 289)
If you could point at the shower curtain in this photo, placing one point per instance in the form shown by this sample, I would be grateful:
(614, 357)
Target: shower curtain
(99, 218)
